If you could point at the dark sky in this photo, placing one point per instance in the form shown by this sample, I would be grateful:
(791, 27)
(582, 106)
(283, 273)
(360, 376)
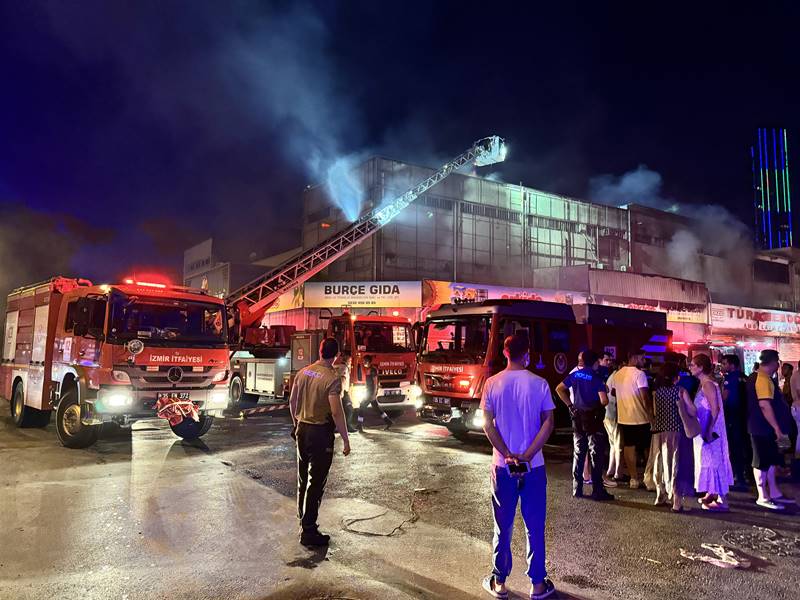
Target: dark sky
(129, 130)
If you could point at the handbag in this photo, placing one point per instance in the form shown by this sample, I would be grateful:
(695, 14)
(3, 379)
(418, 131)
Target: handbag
(691, 424)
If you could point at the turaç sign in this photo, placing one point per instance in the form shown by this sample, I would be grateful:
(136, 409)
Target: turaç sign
(754, 320)
(363, 294)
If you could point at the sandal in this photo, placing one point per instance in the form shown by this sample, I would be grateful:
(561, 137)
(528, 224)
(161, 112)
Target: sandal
(488, 585)
(549, 589)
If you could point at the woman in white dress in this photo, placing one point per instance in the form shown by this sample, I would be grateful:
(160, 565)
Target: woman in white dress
(712, 466)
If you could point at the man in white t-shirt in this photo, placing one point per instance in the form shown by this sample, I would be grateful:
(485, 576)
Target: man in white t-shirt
(518, 407)
(634, 412)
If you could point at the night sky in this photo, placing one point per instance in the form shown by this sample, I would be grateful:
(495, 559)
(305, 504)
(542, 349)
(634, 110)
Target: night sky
(130, 130)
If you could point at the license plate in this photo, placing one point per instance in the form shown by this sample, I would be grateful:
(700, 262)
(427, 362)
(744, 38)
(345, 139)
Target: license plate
(392, 392)
(441, 400)
(172, 396)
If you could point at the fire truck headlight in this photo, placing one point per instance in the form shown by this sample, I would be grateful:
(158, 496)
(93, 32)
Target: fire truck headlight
(414, 392)
(120, 377)
(478, 420)
(358, 393)
(418, 402)
(218, 398)
(221, 376)
(118, 400)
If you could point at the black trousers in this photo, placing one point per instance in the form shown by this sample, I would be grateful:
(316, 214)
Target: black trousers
(740, 450)
(314, 458)
(596, 444)
(347, 404)
(365, 405)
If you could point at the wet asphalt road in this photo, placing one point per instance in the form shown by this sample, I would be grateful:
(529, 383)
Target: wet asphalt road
(145, 515)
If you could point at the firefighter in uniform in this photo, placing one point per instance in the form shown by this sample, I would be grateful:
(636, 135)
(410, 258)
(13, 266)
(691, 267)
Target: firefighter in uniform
(316, 407)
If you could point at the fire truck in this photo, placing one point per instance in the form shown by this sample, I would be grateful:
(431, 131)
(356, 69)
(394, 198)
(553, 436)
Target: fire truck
(462, 344)
(257, 365)
(113, 353)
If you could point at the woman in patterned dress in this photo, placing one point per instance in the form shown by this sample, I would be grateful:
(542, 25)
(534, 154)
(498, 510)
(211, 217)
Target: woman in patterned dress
(712, 466)
(672, 478)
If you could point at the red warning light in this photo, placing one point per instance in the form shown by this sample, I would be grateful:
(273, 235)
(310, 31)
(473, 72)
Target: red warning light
(153, 281)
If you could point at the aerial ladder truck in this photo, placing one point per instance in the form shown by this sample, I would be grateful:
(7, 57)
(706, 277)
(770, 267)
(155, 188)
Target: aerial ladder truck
(259, 375)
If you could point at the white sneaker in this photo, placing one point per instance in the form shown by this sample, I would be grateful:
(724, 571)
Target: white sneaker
(635, 483)
(769, 504)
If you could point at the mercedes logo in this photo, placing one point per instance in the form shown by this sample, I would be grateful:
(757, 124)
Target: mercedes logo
(175, 374)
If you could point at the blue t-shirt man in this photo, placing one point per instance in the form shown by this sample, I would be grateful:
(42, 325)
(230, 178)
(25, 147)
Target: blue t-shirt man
(586, 386)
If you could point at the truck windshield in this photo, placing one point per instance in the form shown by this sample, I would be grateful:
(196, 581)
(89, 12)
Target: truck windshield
(456, 339)
(383, 337)
(168, 322)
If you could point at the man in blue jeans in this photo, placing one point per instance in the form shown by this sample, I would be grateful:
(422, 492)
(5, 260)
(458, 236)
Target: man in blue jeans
(518, 407)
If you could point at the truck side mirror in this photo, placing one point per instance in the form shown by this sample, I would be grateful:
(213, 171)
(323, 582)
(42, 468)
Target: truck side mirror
(416, 336)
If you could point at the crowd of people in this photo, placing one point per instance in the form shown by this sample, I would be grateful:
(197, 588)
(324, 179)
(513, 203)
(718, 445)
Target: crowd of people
(688, 429)
(683, 428)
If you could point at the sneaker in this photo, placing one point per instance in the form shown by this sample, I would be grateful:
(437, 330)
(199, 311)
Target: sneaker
(314, 538)
(769, 504)
(602, 496)
(634, 484)
(610, 483)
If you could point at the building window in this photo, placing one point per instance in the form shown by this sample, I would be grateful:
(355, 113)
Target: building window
(770, 272)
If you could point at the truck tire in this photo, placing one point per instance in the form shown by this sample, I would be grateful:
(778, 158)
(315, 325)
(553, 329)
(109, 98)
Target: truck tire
(189, 429)
(26, 416)
(71, 432)
(459, 432)
(236, 393)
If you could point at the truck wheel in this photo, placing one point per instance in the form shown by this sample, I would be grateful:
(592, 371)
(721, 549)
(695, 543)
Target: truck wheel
(189, 429)
(71, 432)
(26, 416)
(237, 394)
(459, 432)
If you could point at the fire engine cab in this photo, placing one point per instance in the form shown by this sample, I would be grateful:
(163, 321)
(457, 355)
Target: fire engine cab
(113, 353)
(462, 345)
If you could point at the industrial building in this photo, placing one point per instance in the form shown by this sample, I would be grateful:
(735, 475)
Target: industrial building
(474, 237)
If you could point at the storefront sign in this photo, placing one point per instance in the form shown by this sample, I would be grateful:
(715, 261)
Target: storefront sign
(363, 294)
(435, 293)
(698, 315)
(754, 320)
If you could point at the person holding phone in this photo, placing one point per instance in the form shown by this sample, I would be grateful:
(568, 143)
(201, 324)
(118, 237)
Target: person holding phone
(712, 466)
(764, 401)
(518, 407)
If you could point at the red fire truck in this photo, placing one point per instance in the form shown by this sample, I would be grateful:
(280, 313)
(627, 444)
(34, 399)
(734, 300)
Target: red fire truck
(461, 345)
(113, 353)
(388, 339)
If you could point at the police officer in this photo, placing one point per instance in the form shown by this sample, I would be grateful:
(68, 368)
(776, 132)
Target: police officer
(316, 407)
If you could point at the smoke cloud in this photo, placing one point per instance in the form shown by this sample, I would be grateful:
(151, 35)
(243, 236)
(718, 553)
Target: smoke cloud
(248, 72)
(715, 247)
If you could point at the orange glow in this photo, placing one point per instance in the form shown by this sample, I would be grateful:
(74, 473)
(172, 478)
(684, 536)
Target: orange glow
(325, 225)
(128, 281)
(464, 383)
(395, 313)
